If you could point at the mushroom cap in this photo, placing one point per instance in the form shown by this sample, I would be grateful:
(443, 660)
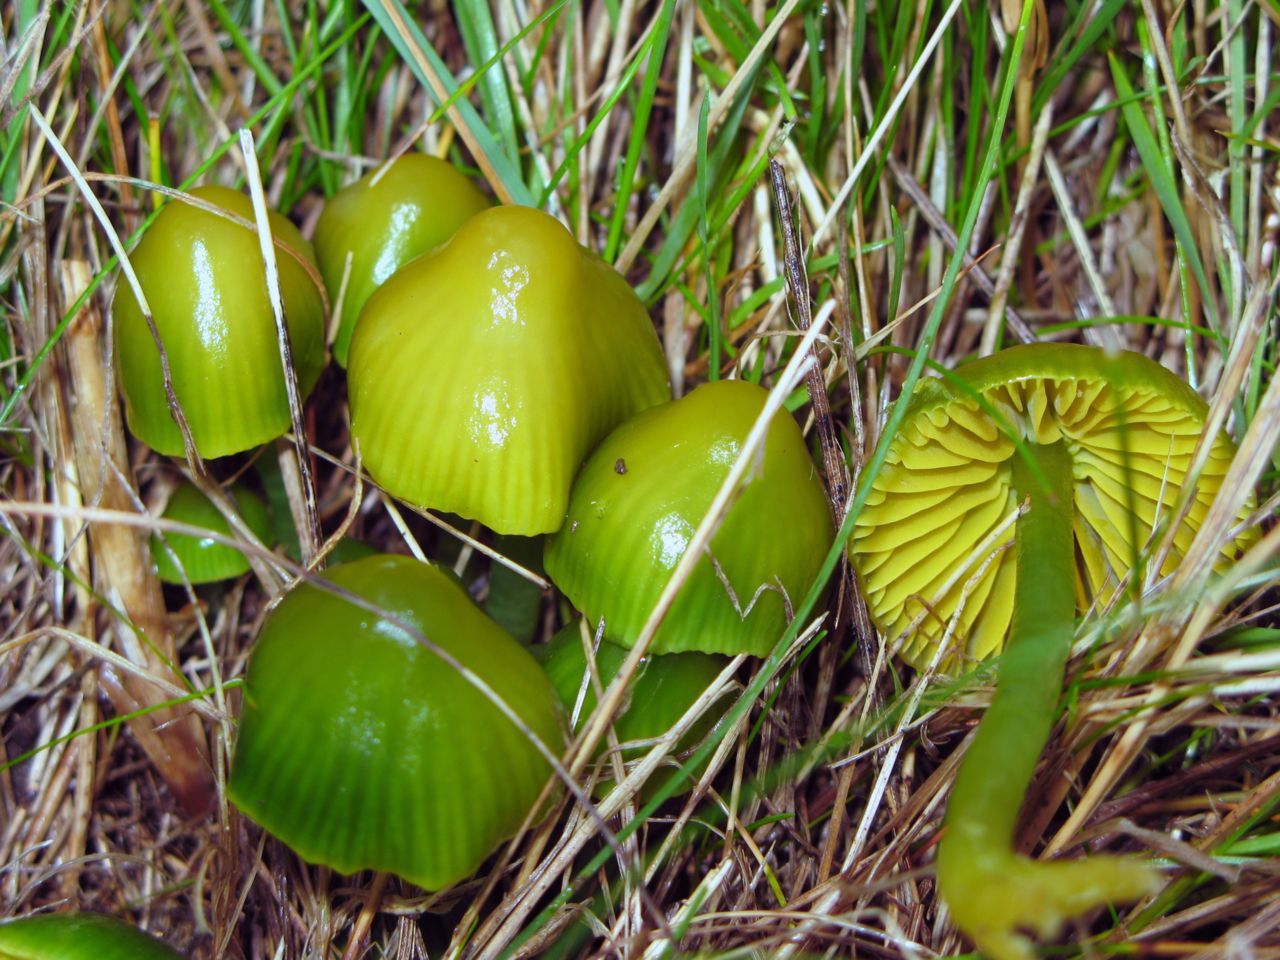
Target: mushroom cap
(511, 351)
(204, 279)
(415, 204)
(931, 521)
(361, 749)
(662, 690)
(205, 559)
(78, 936)
(641, 496)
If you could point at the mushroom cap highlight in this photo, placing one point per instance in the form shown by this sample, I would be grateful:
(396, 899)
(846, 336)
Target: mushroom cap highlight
(205, 559)
(641, 496)
(384, 220)
(938, 523)
(510, 351)
(361, 748)
(78, 936)
(205, 282)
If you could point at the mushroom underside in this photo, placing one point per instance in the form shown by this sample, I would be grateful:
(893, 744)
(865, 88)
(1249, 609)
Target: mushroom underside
(932, 546)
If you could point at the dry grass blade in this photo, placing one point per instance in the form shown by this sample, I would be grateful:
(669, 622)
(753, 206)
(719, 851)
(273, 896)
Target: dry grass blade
(1130, 202)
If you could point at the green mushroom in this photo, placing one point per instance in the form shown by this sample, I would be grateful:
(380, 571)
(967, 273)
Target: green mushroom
(512, 351)
(205, 559)
(661, 692)
(642, 494)
(384, 220)
(205, 282)
(1106, 444)
(362, 748)
(78, 936)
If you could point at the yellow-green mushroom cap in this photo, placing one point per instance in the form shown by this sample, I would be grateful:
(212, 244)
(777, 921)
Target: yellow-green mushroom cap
(641, 496)
(482, 373)
(205, 282)
(383, 221)
(205, 559)
(937, 525)
(361, 748)
(662, 691)
(78, 936)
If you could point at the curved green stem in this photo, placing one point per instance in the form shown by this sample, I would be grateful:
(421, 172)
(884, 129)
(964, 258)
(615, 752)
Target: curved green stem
(990, 890)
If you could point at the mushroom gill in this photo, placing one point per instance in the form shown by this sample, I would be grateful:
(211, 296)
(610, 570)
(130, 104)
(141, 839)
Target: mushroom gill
(935, 534)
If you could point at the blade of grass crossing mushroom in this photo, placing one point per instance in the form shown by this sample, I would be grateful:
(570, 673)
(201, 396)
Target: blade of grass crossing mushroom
(774, 662)
(698, 543)
(897, 412)
(310, 534)
(609, 704)
(1189, 580)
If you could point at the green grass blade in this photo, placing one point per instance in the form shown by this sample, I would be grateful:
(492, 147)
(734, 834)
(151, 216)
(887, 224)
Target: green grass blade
(410, 42)
(1162, 182)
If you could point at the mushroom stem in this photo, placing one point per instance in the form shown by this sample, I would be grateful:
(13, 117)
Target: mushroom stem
(990, 890)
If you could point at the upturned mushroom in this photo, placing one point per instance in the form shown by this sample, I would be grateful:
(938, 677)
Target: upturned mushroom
(363, 748)
(642, 494)
(78, 936)
(205, 282)
(482, 373)
(384, 220)
(1097, 447)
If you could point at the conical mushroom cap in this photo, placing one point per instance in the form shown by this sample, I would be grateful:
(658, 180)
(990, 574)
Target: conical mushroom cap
(662, 691)
(641, 496)
(362, 749)
(205, 559)
(204, 279)
(483, 373)
(78, 936)
(384, 220)
(938, 523)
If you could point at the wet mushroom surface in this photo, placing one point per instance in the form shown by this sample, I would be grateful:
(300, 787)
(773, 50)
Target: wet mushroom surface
(1023, 486)
(936, 533)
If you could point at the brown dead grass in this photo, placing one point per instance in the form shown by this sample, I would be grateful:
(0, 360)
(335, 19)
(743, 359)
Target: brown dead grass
(816, 833)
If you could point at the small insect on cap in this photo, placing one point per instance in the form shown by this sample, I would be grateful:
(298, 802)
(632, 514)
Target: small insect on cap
(932, 545)
(641, 496)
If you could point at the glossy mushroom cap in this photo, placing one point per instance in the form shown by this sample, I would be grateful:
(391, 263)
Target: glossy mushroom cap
(78, 936)
(641, 496)
(942, 506)
(204, 559)
(204, 279)
(661, 693)
(361, 748)
(482, 373)
(384, 220)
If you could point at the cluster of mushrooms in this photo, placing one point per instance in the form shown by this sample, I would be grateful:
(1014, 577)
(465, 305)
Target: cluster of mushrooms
(500, 372)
